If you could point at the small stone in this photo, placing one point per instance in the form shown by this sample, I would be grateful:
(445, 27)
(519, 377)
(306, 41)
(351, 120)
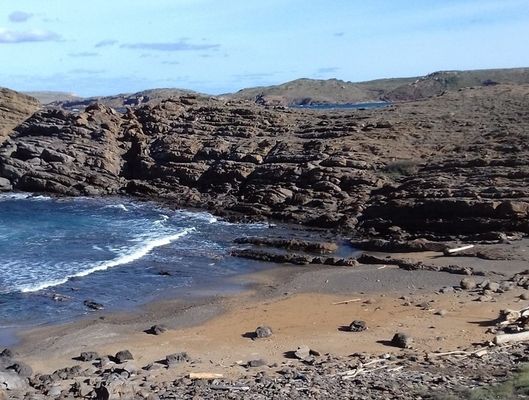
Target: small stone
(402, 340)
(425, 306)
(492, 286)
(176, 358)
(263, 332)
(442, 313)
(524, 296)
(123, 355)
(357, 326)
(54, 391)
(88, 356)
(21, 368)
(484, 298)
(6, 353)
(256, 363)
(447, 289)
(468, 284)
(157, 329)
(302, 352)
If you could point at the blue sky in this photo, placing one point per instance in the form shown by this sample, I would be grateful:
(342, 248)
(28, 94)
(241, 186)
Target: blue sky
(214, 46)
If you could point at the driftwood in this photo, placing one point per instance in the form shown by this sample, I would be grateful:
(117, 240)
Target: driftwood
(457, 249)
(347, 301)
(511, 337)
(478, 353)
(204, 375)
(230, 387)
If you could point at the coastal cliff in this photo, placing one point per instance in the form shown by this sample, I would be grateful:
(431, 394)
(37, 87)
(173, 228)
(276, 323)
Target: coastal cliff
(452, 165)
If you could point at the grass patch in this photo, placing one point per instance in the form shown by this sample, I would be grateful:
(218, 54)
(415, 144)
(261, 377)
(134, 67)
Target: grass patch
(402, 168)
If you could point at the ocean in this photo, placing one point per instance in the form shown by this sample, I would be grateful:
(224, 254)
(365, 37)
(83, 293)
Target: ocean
(57, 253)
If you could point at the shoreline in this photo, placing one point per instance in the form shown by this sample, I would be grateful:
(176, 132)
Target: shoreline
(275, 296)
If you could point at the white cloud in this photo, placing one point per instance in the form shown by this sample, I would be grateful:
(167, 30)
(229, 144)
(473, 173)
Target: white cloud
(33, 35)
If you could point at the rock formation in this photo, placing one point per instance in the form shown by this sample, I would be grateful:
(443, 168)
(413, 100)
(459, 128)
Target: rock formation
(448, 166)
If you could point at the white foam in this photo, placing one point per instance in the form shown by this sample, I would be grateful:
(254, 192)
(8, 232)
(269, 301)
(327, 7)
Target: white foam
(162, 220)
(126, 258)
(22, 196)
(118, 206)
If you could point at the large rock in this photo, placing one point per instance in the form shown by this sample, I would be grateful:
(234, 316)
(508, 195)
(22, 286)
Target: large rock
(440, 169)
(12, 381)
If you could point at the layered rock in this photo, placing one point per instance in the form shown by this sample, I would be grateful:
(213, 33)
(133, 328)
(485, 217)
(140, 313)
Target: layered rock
(456, 164)
(14, 108)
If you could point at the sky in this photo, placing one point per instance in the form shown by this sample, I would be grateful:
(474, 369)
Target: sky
(104, 47)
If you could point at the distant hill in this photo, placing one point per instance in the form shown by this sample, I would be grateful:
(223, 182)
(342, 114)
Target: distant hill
(120, 101)
(313, 91)
(438, 82)
(310, 91)
(47, 97)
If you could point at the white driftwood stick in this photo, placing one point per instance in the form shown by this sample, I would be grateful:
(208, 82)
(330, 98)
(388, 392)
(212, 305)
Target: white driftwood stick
(229, 387)
(458, 249)
(204, 375)
(511, 337)
(346, 301)
(456, 353)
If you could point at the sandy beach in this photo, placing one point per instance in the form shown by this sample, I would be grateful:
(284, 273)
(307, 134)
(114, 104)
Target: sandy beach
(300, 305)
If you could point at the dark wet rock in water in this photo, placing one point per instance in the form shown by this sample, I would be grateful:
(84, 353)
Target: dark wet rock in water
(123, 355)
(88, 356)
(263, 332)
(270, 256)
(93, 305)
(402, 340)
(176, 358)
(398, 246)
(157, 329)
(357, 326)
(290, 244)
(468, 284)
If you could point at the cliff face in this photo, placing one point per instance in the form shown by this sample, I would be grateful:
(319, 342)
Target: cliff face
(456, 164)
(14, 108)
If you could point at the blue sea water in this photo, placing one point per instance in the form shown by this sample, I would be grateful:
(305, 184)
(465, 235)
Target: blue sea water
(55, 253)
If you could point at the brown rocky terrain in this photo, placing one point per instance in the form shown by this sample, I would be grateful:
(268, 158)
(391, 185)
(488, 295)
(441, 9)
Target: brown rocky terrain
(14, 108)
(320, 91)
(449, 166)
(439, 82)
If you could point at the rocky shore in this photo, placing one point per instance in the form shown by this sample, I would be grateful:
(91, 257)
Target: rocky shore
(405, 183)
(449, 167)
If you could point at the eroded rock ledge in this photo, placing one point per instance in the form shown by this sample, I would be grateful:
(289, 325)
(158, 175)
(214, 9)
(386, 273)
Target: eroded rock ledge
(452, 166)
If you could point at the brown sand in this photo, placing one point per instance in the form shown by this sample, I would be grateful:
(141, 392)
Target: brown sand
(285, 300)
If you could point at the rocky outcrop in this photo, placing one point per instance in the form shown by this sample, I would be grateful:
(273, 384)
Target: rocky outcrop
(450, 167)
(14, 108)
(437, 83)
